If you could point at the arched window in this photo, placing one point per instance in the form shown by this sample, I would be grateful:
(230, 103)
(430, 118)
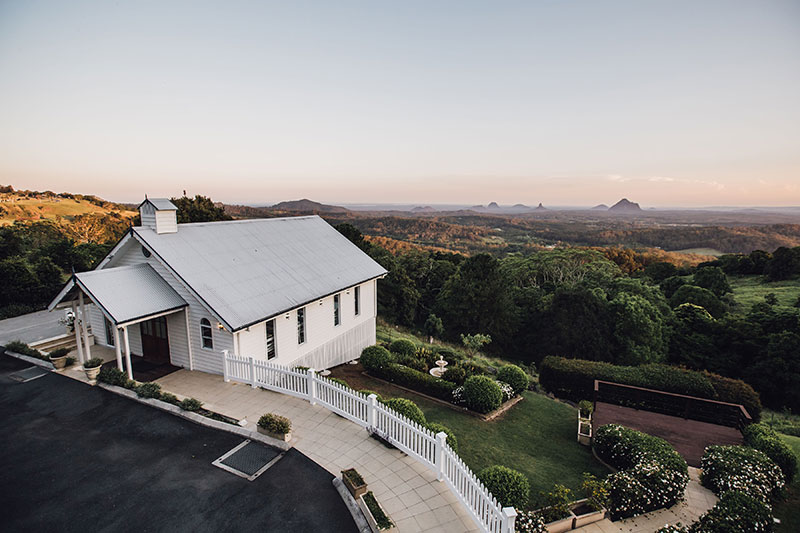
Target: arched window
(205, 334)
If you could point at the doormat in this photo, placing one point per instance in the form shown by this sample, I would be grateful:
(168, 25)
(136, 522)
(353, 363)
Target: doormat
(29, 374)
(249, 459)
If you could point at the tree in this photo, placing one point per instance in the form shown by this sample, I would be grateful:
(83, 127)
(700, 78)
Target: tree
(198, 209)
(660, 271)
(19, 285)
(433, 326)
(353, 234)
(474, 343)
(670, 285)
(639, 329)
(577, 323)
(698, 296)
(785, 264)
(713, 279)
(49, 276)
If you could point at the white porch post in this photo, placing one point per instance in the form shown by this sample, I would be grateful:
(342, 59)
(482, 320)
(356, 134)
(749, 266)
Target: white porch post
(84, 318)
(509, 519)
(371, 408)
(441, 440)
(312, 386)
(76, 326)
(188, 338)
(127, 352)
(118, 348)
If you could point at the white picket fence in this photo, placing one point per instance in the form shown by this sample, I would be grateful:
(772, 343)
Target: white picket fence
(417, 441)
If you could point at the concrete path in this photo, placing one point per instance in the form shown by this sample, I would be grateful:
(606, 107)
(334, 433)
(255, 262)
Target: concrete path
(698, 500)
(31, 327)
(408, 491)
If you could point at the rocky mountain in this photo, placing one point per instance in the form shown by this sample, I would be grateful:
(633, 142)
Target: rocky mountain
(625, 206)
(493, 205)
(426, 209)
(540, 207)
(308, 206)
(600, 207)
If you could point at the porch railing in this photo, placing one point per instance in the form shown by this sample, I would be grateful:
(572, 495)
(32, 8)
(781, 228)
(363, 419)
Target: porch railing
(415, 440)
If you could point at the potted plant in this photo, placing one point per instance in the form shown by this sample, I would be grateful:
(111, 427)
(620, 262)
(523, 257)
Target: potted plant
(592, 508)
(275, 426)
(92, 368)
(354, 482)
(376, 517)
(59, 358)
(585, 409)
(557, 514)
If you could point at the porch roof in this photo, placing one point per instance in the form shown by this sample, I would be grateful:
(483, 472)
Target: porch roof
(125, 294)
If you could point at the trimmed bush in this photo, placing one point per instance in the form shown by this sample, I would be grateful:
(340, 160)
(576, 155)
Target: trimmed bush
(170, 398)
(374, 358)
(275, 423)
(367, 392)
(514, 376)
(61, 352)
(456, 374)
(482, 394)
(149, 390)
(451, 437)
(573, 379)
(403, 347)
(735, 511)
(407, 408)
(191, 404)
(22, 348)
(742, 469)
(112, 376)
(411, 361)
(652, 475)
(766, 440)
(511, 488)
(416, 380)
(339, 382)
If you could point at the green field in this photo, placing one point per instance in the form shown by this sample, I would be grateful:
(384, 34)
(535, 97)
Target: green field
(700, 251)
(788, 511)
(748, 290)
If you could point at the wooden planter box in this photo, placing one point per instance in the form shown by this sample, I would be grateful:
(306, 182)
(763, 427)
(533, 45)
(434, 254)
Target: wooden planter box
(280, 436)
(356, 490)
(373, 524)
(584, 437)
(585, 515)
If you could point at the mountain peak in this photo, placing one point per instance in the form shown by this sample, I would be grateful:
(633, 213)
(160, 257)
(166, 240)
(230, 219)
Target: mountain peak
(625, 206)
(493, 205)
(540, 207)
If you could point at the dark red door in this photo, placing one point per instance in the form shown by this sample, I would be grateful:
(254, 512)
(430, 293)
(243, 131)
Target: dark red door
(155, 343)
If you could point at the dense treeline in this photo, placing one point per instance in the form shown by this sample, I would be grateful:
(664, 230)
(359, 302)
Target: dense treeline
(577, 303)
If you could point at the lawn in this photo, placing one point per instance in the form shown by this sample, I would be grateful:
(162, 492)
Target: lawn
(748, 290)
(788, 511)
(537, 436)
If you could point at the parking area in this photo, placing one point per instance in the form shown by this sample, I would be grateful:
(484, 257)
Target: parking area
(79, 458)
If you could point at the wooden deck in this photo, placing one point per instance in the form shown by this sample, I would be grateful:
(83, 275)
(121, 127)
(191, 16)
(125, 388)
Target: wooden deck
(689, 437)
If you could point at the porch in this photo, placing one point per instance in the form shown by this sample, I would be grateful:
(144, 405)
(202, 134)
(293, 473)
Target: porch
(143, 369)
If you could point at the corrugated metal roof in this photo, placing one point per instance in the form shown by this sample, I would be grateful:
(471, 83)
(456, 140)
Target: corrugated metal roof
(250, 270)
(131, 292)
(162, 204)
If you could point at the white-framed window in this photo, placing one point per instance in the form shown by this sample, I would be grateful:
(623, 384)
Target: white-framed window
(206, 334)
(301, 325)
(109, 331)
(337, 316)
(271, 350)
(357, 299)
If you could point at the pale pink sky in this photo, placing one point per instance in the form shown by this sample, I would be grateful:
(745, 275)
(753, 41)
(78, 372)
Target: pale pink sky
(679, 103)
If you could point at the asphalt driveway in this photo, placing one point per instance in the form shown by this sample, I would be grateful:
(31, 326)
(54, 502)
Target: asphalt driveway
(79, 458)
(31, 327)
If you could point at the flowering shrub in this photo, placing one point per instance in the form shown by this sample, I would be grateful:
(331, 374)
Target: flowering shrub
(764, 439)
(482, 394)
(458, 396)
(742, 469)
(735, 511)
(652, 474)
(678, 528)
(514, 376)
(507, 390)
(529, 522)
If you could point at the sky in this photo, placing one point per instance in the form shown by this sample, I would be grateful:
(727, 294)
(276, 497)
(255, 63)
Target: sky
(679, 103)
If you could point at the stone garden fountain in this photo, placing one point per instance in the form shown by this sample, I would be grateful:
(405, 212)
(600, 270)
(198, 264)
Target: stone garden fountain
(439, 370)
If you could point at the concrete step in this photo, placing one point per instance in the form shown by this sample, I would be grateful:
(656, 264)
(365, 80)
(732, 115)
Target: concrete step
(62, 341)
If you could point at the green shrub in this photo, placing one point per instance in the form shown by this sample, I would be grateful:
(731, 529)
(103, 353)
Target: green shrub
(22, 348)
(651, 475)
(94, 362)
(407, 408)
(70, 361)
(741, 468)
(451, 437)
(374, 358)
(573, 379)
(339, 382)
(367, 392)
(763, 438)
(456, 374)
(514, 376)
(482, 394)
(191, 404)
(558, 501)
(416, 380)
(130, 384)
(170, 398)
(511, 488)
(275, 423)
(586, 408)
(403, 347)
(149, 390)
(411, 361)
(60, 352)
(112, 376)
(377, 513)
(735, 512)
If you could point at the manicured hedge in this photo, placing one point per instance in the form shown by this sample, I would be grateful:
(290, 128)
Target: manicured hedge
(764, 439)
(413, 379)
(375, 357)
(742, 469)
(735, 511)
(514, 376)
(511, 488)
(408, 409)
(482, 394)
(652, 475)
(451, 437)
(403, 347)
(573, 379)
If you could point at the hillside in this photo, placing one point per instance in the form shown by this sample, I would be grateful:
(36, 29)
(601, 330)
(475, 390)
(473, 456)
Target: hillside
(35, 206)
(308, 206)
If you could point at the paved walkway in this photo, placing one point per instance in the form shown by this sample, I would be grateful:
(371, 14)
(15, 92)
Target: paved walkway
(31, 327)
(698, 500)
(408, 491)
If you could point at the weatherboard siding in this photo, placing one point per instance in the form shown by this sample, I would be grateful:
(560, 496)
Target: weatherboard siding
(204, 359)
(148, 214)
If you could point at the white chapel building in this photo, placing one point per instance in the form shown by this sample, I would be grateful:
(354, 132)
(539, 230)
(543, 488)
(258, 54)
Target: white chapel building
(292, 291)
